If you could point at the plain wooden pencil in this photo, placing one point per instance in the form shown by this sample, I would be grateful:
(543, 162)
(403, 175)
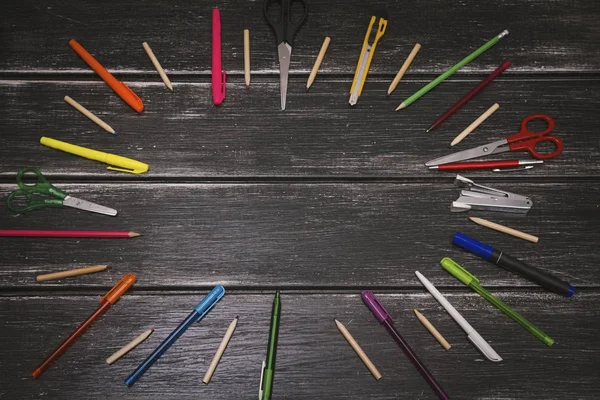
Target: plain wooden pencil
(71, 272)
(359, 351)
(475, 124)
(505, 229)
(247, 57)
(129, 346)
(318, 61)
(157, 65)
(91, 116)
(403, 69)
(220, 351)
(434, 332)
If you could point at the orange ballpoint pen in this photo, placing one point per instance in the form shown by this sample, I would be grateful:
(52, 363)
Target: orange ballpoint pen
(120, 88)
(108, 300)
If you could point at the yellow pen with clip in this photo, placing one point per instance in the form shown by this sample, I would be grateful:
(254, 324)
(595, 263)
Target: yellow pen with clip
(121, 164)
(366, 55)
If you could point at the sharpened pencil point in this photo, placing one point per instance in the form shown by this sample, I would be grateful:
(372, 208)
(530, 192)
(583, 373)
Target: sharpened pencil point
(115, 133)
(428, 130)
(401, 106)
(134, 234)
(237, 317)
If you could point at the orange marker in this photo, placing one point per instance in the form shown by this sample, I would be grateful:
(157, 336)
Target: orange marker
(108, 300)
(119, 87)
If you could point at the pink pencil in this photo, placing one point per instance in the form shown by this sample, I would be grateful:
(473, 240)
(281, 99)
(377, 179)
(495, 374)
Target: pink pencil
(68, 234)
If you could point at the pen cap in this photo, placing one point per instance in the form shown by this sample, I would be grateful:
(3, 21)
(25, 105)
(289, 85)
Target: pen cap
(209, 301)
(119, 289)
(375, 306)
(457, 271)
(472, 245)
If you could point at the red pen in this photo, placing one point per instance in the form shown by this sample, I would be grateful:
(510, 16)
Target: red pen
(108, 300)
(484, 165)
(469, 95)
(218, 75)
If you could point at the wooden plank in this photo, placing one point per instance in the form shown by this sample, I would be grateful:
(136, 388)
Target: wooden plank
(302, 235)
(182, 135)
(313, 359)
(556, 36)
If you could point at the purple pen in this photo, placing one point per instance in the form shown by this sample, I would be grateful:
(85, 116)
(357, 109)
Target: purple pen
(385, 318)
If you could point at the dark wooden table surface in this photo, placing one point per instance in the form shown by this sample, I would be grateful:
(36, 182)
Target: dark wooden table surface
(320, 201)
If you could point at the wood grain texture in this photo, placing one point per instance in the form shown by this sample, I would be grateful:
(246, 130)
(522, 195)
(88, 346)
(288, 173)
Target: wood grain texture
(313, 359)
(302, 235)
(545, 36)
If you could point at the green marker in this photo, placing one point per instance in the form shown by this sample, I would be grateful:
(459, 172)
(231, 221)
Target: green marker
(471, 281)
(266, 378)
(451, 71)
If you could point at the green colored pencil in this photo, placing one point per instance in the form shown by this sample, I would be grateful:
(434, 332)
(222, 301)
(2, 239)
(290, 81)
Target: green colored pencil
(452, 70)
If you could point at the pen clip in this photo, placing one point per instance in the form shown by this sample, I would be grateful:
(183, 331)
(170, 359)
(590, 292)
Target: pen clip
(131, 171)
(458, 271)
(260, 386)
(381, 29)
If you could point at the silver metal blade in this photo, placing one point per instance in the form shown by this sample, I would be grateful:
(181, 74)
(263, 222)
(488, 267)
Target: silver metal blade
(360, 76)
(74, 202)
(486, 149)
(285, 53)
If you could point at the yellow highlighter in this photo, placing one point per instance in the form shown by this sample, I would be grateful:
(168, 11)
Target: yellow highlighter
(121, 164)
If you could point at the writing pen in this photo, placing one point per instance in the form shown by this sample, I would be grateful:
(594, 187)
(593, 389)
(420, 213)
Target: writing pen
(386, 320)
(196, 315)
(471, 281)
(463, 166)
(106, 301)
(268, 366)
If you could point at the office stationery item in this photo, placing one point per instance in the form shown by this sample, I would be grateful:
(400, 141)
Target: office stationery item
(196, 315)
(522, 168)
(359, 351)
(434, 332)
(129, 346)
(469, 96)
(499, 165)
(366, 55)
(471, 281)
(479, 197)
(318, 62)
(403, 69)
(71, 272)
(219, 76)
(119, 88)
(475, 124)
(285, 27)
(220, 351)
(472, 334)
(67, 234)
(157, 65)
(513, 265)
(247, 57)
(122, 164)
(452, 70)
(268, 366)
(91, 116)
(385, 319)
(106, 301)
(524, 140)
(505, 229)
(42, 194)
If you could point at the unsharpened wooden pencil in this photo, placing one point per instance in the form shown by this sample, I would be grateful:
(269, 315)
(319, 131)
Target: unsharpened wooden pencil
(157, 65)
(403, 69)
(359, 351)
(432, 330)
(71, 272)
(91, 116)
(505, 229)
(475, 124)
(318, 62)
(247, 57)
(129, 346)
(220, 351)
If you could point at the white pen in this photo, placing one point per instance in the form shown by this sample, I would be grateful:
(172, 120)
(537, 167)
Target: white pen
(472, 334)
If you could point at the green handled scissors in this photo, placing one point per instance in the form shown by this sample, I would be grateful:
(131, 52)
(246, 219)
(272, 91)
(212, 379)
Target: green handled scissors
(42, 194)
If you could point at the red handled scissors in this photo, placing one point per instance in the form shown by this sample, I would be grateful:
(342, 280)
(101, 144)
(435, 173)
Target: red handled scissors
(524, 140)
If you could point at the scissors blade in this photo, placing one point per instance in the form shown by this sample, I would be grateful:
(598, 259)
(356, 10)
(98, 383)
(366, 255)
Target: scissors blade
(74, 202)
(285, 52)
(486, 149)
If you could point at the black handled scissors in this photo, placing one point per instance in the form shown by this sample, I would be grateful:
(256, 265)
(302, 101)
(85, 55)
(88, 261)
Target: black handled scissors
(285, 28)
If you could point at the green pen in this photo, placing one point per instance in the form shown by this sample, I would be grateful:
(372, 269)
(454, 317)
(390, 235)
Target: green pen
(471, 281)
(268, 366)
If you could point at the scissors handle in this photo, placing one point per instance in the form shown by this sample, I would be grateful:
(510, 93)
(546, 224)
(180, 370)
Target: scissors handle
(285, 27)
(527, 140)
(31, 202)
(40, 186)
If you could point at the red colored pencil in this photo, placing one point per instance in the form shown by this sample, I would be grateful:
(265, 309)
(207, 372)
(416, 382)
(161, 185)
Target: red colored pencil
(68, 234)
(484, 165)
(469, 95)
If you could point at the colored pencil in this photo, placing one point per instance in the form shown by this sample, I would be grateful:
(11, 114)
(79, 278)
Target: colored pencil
(403, 69)
(469, 95)
(157, 65)
(318, 62)
(434, 332)
(475, 124)
(359, 351)
(220, 351)
(505, 229)
(91, 116)
(67, 234)
(247, 57)
(451, 71)
(129, 346)
(71, 272)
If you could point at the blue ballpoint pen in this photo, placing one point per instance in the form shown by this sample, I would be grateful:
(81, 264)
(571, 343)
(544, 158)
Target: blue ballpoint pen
(199, 312)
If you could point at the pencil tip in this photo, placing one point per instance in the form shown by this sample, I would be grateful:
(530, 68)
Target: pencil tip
(114, 132)
(428, 130)
(401, 106)
(134, 234)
